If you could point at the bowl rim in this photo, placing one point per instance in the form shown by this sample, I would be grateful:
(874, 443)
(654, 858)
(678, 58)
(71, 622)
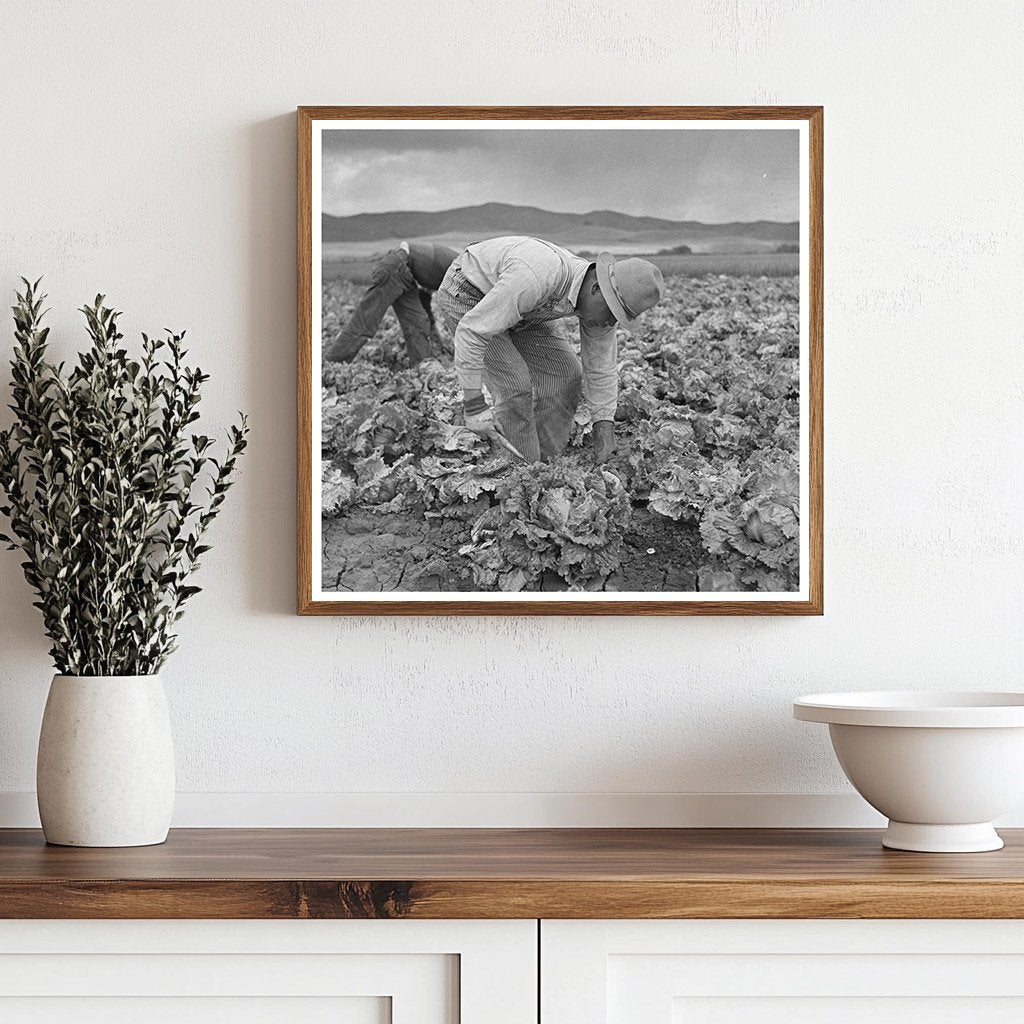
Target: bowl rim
(945, 709)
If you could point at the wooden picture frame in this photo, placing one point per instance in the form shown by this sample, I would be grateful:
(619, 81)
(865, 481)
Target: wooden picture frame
(809, 601)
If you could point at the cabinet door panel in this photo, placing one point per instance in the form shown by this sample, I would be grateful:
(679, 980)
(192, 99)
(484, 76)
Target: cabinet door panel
(847, 1010)
(799, 972)
(190, 1010)
(299, 972)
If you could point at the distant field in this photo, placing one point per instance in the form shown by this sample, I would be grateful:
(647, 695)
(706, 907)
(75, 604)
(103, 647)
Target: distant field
(623, 244)
(763, 264)
(341, 268)
(357, 270)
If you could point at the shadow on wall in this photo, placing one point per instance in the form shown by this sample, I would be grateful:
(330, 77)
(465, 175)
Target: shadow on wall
(269, 320)
(21, 625)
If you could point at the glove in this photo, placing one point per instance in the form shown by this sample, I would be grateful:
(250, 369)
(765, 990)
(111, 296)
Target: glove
(482, 423)
(479, 417)
(604, 441)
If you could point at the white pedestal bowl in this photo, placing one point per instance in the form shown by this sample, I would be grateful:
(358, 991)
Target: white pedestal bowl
(940, 766)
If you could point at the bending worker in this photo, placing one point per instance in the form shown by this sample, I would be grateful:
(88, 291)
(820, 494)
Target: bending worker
(405, 279)
(503, 299)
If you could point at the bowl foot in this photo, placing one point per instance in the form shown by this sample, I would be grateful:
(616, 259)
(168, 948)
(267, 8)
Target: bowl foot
(979, 838)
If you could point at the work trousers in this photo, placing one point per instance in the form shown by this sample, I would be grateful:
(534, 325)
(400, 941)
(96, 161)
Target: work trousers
(391, 284)
(534, 376)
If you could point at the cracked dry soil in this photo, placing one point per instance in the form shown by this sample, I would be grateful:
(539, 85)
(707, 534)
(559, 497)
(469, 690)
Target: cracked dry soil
(366, 552)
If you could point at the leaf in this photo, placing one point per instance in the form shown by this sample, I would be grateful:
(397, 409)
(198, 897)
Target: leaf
(370, 470)
(100, 472)
(337, 489)
(551, 518)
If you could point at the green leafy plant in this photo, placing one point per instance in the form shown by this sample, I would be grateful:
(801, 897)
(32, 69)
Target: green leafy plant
(708, 454)
(557, 517)
(109, 495)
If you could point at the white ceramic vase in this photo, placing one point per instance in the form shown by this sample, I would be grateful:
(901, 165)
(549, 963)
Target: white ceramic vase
(105, 771)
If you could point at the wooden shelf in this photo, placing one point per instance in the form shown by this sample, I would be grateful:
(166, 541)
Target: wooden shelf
(508, 873)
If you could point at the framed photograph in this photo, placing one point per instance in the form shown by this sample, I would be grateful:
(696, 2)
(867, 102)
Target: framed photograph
(560, 360)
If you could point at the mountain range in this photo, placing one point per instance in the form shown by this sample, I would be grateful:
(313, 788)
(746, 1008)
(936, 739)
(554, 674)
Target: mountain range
(597, 228)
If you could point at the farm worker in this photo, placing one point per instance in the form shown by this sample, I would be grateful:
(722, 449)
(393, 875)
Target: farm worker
(503, 299)
(405, 279)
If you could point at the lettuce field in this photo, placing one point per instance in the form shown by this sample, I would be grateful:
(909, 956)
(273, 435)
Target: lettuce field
(702, 494)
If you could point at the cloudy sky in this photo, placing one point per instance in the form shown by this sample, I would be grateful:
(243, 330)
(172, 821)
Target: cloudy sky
(707, 175)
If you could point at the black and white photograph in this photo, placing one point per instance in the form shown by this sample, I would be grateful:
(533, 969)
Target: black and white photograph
(560, 361)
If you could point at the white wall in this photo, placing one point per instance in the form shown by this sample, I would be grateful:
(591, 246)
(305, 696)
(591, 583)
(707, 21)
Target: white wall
(147, 151)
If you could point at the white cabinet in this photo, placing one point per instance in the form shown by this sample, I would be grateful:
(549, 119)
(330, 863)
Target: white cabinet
(258, 972)
(486, 972)
(782, 972)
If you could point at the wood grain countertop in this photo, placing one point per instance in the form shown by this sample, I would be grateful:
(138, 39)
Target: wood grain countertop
(508, 873)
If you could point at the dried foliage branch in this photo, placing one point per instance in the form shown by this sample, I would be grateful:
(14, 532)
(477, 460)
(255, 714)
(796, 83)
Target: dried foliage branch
(108, 494)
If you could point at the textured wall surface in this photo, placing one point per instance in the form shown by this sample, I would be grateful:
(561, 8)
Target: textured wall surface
(148, 152)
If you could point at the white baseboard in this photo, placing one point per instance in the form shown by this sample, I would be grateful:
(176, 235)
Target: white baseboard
(494, 810)
(503, 810)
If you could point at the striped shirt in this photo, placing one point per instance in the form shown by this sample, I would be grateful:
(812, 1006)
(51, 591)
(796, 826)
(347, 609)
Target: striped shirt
(527, 280)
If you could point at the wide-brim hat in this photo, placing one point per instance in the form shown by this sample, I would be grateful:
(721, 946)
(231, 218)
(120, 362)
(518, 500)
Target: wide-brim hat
(630, 287)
